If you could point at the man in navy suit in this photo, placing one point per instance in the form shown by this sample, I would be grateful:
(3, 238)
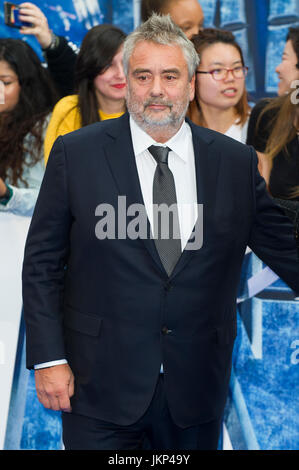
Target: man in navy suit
(131, 332)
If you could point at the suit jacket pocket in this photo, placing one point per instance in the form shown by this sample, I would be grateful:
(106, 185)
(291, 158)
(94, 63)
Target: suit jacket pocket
(82, 337)
(81, 322)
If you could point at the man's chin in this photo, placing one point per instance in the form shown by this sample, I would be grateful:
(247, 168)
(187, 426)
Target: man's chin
(158, 119)
(158, 123)
(155, 121)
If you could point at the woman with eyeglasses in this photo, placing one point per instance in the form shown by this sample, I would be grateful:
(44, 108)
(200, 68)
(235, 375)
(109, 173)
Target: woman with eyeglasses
(27, 97)
(220, 101)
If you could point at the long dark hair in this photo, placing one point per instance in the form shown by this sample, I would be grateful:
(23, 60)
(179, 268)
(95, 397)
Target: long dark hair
(36, 99)
(97, 50)
(283, 124)
(201, 41)
(293, 36)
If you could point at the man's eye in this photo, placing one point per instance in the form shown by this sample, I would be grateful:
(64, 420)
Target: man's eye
(217, 71)
(170, 77)
(142, 78)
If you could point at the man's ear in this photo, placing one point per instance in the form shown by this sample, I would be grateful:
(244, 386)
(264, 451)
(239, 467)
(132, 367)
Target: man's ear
(192, 88)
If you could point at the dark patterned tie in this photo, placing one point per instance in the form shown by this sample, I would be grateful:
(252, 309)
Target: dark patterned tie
(166, 222)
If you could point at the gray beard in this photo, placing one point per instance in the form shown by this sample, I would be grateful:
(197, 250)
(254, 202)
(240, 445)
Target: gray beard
(150, 125)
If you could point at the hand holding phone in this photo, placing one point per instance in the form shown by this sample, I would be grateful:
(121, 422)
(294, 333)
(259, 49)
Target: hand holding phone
(34, 23)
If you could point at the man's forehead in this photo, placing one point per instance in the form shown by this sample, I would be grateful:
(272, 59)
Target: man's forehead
(151, 52)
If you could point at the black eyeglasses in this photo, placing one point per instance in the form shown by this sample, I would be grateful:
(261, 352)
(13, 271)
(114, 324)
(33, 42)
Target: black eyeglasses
(221, 73)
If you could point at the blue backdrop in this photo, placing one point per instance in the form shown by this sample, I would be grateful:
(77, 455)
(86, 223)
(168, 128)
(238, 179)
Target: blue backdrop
(262, 409)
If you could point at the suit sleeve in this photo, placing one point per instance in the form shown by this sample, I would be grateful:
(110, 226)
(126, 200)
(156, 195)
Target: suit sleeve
(45, 264)
(272, 235)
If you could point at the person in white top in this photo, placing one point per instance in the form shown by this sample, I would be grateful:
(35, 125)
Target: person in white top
(220, 101)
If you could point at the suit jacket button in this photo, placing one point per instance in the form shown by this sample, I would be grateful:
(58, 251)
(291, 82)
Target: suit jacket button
(165, 330)
(167, 286)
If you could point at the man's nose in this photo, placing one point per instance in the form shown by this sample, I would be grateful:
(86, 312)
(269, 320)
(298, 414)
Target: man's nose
(157, 87)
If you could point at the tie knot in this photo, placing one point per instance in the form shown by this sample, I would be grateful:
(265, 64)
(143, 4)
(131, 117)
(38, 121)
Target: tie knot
(159, 153)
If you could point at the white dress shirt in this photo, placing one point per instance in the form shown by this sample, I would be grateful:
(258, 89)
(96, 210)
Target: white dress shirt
(181, 163)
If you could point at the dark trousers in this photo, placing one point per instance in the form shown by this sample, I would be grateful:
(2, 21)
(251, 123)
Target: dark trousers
(155, 430)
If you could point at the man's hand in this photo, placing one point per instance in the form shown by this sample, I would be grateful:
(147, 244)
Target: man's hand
(55, 386)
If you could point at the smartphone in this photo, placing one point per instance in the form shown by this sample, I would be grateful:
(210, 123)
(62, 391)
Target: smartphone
(11, 16)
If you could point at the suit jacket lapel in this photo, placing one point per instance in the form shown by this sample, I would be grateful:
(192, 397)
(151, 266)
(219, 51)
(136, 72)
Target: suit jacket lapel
(207, 160)
(121, 160)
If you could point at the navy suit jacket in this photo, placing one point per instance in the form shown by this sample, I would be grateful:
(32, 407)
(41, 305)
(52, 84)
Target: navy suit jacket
(108, 306)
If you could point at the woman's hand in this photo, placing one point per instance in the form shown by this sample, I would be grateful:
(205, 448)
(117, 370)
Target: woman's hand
(30, 13)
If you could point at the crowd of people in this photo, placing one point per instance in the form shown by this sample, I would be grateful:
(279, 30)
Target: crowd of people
(78, 89)
(131, 333)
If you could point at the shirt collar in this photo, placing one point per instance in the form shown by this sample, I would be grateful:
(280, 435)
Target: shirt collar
(177, 143)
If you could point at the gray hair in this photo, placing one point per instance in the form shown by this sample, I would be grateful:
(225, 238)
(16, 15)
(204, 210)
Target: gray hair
(160, 29)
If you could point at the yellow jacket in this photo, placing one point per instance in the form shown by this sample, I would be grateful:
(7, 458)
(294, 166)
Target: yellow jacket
(66, 118)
